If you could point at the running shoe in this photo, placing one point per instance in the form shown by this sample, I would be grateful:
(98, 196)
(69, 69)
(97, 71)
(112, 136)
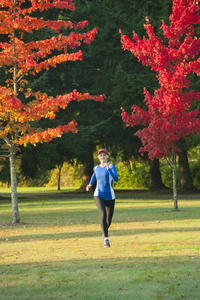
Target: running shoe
(106, 243)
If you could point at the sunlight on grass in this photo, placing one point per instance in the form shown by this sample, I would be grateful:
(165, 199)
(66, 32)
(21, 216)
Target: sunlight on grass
(38, 190)
(58, 249)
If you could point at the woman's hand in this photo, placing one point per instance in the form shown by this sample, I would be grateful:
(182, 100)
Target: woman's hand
(88, 187)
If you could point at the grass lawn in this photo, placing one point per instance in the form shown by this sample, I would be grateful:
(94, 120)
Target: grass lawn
(38, 190)
(57, 251)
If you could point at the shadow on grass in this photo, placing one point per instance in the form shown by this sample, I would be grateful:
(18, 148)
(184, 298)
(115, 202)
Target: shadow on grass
(85, 234)
(87, 214)
(133, 278)
(120, 194)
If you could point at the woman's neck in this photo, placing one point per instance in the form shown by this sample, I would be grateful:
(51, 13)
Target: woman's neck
(103, 164)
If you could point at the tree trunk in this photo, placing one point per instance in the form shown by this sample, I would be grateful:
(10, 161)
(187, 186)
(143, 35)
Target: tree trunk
(87, 168)
(185, 173)
(59, 176)
(13, 147)
(174, 180)
(155, 176)
(14, 197)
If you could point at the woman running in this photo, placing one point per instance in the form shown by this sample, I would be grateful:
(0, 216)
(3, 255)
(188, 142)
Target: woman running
(104, 195)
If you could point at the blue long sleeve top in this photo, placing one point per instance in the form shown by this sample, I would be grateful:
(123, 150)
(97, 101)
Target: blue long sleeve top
(104, 178)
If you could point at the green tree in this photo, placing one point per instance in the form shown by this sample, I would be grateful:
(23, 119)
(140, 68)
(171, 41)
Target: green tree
(114, 72)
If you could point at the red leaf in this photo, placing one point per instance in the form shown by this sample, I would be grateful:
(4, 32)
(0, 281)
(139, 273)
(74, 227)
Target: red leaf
(169, 117)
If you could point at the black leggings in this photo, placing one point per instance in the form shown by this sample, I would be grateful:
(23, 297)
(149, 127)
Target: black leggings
(106, 209)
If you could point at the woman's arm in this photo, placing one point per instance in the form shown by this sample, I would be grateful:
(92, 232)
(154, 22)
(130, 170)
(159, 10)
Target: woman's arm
(88, 187)
(92, 180)
(113, 172)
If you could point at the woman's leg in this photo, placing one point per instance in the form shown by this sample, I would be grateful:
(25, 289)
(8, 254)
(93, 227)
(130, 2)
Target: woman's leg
(110, 205)
(100, 203)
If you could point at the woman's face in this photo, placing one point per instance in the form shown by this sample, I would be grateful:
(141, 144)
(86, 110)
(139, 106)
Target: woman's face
(103, 157)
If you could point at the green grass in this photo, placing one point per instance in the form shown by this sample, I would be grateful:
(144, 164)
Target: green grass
(57, 251)
(38, 190)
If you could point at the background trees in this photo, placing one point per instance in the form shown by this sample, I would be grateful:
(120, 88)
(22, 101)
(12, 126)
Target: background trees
(108, 69)
(113, 72)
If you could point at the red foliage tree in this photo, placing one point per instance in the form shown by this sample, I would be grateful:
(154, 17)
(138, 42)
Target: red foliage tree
(169, 116)
(17, 19)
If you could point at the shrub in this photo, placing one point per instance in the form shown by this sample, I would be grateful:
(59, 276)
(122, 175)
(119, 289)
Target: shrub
(133, 175)
(70, 176)
(166, 173)
(195, 171)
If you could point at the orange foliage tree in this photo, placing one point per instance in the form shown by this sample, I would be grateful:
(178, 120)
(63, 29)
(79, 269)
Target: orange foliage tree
(22, 59)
